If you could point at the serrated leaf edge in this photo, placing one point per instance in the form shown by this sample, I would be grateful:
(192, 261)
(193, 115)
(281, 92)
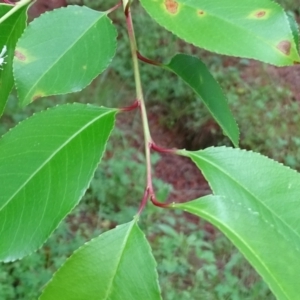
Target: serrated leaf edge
(218, 52)
(134, 222)
(82, 193)
(221, 225)
(80, 89)
(192, 154)
(166, 66)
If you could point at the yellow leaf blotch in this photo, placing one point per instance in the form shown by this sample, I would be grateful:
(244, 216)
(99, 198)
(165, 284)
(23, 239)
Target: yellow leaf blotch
(284, 47)
(260, 14)
(23, 56)
(38, 95)
(171, 6)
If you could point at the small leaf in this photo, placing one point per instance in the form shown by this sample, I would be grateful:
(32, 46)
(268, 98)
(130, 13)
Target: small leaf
(46, 165)
(257, 206)
(255, 29)
(117, 265)
(194, 72)
(62, 51)
(11, 30)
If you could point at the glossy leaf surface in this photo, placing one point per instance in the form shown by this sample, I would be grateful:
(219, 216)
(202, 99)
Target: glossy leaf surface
(194, 72)
(46, 165)
(257, 205)
(62, 51)
(10, 31)
(256, 29)
(117, 265)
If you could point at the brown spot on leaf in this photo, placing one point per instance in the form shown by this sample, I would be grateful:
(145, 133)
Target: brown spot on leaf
(260, 14)
(201, 12)
(20, 56)
(171, 6)
(284, 47)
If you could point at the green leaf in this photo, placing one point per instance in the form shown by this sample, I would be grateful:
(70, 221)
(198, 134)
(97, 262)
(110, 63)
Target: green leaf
(257, 205)
(117, 265)
(194, 72)
(256, 29)
(295, 29)
(11, 30)
(46, 165)
(62, 51)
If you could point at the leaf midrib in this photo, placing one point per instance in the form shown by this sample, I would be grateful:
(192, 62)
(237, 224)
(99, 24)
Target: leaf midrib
(9, 37)
(46, 71)
(72, 137)
(235, 25)
(124, 244)
(221, 122)
(248, 192)
(234, 233)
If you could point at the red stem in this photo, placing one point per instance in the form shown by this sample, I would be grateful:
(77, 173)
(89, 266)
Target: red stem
(147, 60)
(9, 2)
(149, 191)
(159, 149)
(159, 204)
(136, 104)
(114, 7)
(144, 201)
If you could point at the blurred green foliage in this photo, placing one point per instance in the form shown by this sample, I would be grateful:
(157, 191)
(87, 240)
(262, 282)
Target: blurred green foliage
(192, 262)
(268, 116)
